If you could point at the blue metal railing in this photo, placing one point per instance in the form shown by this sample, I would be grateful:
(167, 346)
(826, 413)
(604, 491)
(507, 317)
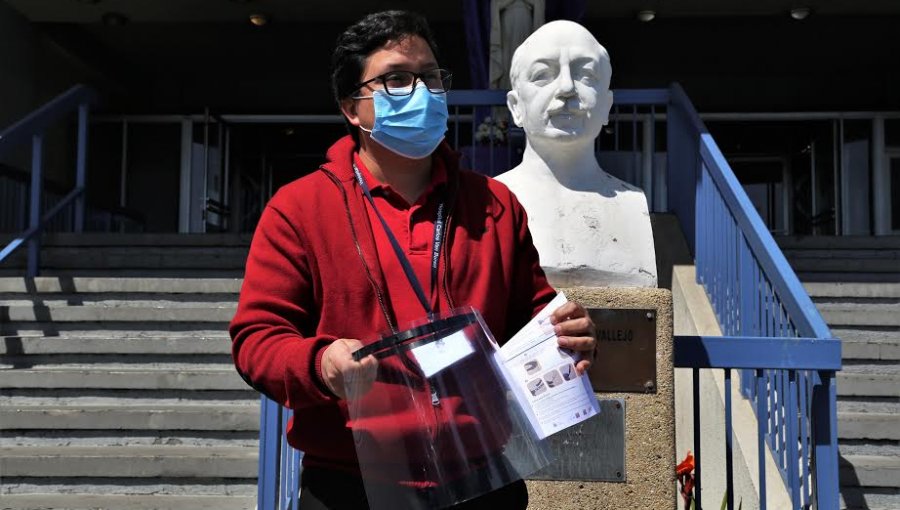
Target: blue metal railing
(278, 484)
(758, 357)
(33, 127)
(775, 334)
(755, 293)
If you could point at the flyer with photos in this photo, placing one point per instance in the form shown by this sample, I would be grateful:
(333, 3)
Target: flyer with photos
(543, 376)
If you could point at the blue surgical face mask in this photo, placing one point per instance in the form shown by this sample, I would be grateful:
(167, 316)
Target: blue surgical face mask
(411, 126)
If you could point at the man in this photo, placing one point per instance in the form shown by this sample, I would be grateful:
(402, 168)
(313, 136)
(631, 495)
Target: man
(322, 276)
(589, 227)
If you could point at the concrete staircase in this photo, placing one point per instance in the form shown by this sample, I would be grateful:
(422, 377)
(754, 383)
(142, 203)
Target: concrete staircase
(855, 283)
(119, 392)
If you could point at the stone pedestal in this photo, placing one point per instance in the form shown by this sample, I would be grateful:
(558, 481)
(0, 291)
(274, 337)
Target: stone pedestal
(649, 478)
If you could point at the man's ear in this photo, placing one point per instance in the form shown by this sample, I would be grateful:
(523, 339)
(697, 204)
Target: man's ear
(348, 108)
(512, 102)
(607, 107)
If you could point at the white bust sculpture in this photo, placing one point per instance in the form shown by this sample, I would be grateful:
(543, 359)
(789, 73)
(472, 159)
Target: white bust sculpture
(589, 227)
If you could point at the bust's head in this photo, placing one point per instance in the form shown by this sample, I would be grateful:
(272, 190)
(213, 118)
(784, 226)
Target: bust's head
(560, 84)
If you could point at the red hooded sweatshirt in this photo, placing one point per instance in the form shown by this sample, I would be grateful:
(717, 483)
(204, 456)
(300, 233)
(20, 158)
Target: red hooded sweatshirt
(313, 276)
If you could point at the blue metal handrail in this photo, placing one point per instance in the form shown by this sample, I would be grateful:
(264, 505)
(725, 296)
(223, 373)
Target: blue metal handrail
(78, 98)
(747, 352)
(775, 334)
(755, 293)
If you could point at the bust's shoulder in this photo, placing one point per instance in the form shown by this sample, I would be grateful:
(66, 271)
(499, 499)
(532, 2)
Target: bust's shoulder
(518, 177)
(510, 176)
(523, 183)
(609, 181)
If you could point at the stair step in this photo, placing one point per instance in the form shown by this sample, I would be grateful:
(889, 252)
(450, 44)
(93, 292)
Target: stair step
(868, 426)
(854, 254)
(885, 351)
(144, 257)
(109, 438)
(853, 242)
(867, 385)
(85, 486)
(61, 397)
(847, 277)
(204, 313)
(186, 345)
(870, 334)
(47, 284)
(844, 265)
(852, 289)
(201, 363)
(869, 471)
(127, 502)
(20, 330)
(869, 406)
(869, 448)
(860, 314)
(210, 379)
(116, 300)
(867, 367)
(870, 498)
(129, 462)
(97, 239)
(132, 417)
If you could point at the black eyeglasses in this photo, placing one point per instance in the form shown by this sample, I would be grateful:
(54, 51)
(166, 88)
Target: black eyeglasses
(402, 83)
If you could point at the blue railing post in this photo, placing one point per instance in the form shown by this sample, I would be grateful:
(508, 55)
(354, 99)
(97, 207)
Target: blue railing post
(269, 452)
(825, 455)
(761, 424)
(34, 204)
(793, 438)
(698, 486)
(81, 166)
(729, 447)
(805, 442)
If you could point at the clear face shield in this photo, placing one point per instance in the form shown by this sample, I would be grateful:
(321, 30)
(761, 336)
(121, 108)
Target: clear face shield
(439, 425)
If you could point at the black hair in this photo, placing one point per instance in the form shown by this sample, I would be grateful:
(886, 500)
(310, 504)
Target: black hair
(364, 37)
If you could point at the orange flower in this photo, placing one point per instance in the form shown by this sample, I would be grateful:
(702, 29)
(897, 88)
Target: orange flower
(684, 472)
(686, 466)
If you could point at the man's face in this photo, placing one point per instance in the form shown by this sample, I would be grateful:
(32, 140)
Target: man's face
(409, 54)
(562, 88)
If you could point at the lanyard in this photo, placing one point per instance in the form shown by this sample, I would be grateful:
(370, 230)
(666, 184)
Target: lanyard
(401, 257)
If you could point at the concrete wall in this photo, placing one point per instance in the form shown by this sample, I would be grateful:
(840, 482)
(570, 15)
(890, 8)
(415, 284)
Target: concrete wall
(694, 316)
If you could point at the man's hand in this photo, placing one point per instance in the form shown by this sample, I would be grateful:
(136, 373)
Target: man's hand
(576, 332)
(338, 368)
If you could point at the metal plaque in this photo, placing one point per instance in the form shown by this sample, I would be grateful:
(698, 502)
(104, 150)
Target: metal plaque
(626, 350)
(593, 450)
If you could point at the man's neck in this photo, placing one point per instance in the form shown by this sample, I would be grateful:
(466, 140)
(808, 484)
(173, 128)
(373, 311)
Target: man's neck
(408, 177)
(573, 166)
